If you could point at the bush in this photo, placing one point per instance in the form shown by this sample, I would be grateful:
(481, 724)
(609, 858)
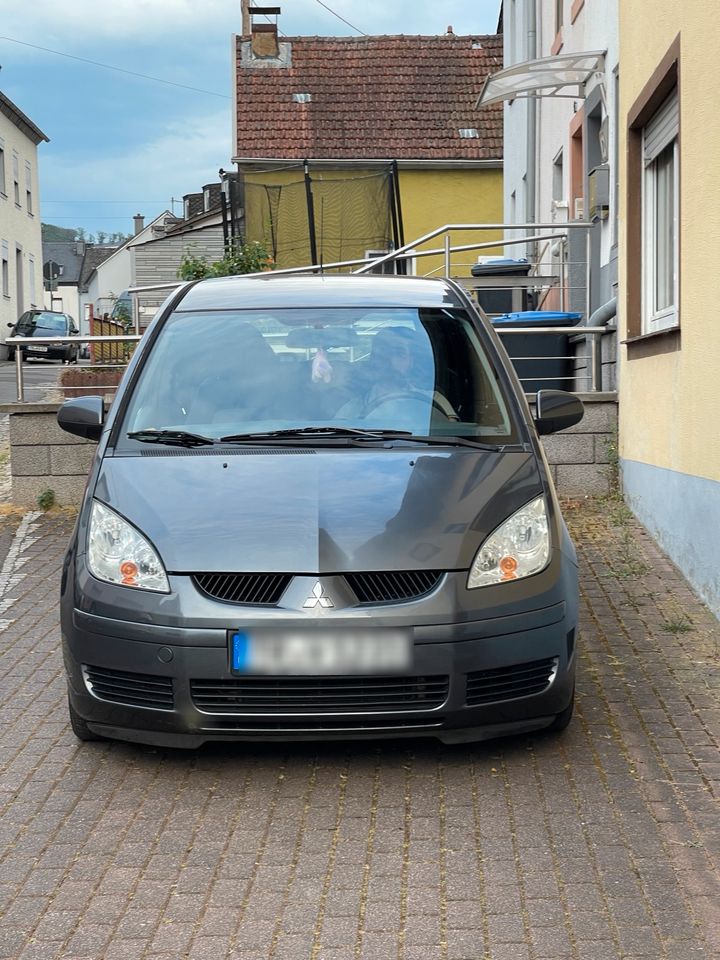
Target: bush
(240, 258)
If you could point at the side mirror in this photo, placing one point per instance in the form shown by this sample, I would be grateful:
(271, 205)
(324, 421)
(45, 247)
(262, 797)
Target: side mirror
(11, 325)
(83, 416)
(556, 410)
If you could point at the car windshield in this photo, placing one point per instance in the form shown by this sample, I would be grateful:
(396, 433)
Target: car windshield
(224, 373)
(41, 324)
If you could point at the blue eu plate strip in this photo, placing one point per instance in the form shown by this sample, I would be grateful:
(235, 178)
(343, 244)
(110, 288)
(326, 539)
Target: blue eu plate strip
(240, 651)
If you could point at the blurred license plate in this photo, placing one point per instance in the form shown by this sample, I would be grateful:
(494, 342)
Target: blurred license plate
(38, 349)
(293, 652)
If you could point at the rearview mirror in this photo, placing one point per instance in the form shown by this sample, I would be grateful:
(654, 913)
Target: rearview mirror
(83, 416)
(556, 410)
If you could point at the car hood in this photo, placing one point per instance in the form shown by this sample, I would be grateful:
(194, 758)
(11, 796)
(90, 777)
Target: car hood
(317, 511)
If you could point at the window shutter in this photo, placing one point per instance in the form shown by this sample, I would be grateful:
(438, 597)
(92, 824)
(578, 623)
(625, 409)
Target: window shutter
(662, 129)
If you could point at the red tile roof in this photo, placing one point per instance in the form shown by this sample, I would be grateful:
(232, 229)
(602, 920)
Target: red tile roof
(402, 98)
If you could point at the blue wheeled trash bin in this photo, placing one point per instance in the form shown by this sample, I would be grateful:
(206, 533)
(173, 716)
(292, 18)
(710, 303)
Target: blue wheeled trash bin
(541, 361)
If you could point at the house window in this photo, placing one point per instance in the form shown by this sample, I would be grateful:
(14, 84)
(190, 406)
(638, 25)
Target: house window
(557, 178)
(660, 209)
(558, 15)
(3, 189)
(16, 178)
(28, 188)
(5, 269)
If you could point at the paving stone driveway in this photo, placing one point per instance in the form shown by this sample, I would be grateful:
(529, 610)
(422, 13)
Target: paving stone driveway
(601, 844)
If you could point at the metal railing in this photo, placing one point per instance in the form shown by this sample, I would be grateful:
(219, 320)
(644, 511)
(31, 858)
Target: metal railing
(533, 234)
(594, 377)
(19, 342)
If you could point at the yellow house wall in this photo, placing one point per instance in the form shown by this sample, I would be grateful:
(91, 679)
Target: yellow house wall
(431, 198)
(670, 403)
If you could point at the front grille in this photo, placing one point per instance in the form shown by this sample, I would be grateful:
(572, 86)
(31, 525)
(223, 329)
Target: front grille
(259, 589)
(507, 683)
(248, 695)
(386, 587)
(131, 689)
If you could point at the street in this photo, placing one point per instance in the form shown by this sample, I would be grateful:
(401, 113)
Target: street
(40, 376)
(598, 845)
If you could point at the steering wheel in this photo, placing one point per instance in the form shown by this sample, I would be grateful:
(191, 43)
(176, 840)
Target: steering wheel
(415, 396)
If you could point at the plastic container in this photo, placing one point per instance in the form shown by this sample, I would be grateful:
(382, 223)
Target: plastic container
(541, 361)
(500, 299)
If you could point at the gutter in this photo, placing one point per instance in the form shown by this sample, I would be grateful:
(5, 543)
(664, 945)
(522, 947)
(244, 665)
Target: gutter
(261, 162)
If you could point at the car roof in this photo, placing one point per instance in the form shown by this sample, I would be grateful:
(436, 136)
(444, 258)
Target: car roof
(308, 290)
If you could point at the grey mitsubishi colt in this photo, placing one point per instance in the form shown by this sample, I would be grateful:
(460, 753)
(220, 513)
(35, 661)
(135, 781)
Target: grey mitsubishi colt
(319, 508)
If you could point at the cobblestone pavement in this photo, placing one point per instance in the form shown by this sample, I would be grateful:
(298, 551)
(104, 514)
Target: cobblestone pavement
(603, 843)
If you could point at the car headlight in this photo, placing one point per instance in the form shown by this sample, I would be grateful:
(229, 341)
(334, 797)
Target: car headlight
(518, 548)
(118, 553)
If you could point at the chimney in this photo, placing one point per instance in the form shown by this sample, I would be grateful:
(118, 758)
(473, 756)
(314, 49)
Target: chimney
(193, 204)
(264, 35)
(139, 221)
(211, 196)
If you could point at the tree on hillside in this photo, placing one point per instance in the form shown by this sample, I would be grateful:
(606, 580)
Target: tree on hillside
(52, 234)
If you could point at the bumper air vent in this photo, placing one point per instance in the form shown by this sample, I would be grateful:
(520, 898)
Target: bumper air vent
(131, 689)
(508, 683)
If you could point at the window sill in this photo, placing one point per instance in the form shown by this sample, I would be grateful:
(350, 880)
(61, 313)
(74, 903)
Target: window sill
(653, 344)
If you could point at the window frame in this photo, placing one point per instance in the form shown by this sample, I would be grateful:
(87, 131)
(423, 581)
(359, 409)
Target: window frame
(641, 340)
(655, 319)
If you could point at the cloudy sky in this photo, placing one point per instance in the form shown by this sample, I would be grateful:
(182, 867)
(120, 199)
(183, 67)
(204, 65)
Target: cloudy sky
(121, 144)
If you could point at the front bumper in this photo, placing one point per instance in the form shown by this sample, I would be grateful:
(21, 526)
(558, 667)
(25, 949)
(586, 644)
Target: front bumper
(499, 651)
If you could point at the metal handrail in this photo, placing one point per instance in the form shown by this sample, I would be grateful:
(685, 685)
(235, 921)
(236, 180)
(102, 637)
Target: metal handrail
(595, 333)
(54, 341)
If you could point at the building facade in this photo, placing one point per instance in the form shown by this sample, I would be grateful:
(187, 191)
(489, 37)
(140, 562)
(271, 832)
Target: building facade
(559, 89)
(21, 264)
(351, 146)
(669, 235)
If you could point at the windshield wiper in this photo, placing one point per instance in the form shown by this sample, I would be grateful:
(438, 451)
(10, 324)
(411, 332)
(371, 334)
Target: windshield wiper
(357, 435)
(178, 438)
(310, 433)
(445, 441)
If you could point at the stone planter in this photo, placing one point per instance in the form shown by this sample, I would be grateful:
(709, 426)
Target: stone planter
(84, 382)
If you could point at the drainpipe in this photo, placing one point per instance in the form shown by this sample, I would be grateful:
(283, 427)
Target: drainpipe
(599, 318)
(531, 156)
(603, 314)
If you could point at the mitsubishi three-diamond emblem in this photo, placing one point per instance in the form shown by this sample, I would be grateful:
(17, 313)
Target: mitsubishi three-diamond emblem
(317, 598)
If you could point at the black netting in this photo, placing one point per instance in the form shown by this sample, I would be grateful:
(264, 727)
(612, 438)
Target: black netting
(352, 214)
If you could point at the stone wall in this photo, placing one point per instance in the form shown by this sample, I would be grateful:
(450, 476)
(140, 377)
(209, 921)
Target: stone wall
(579, 457)
(44, 457)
